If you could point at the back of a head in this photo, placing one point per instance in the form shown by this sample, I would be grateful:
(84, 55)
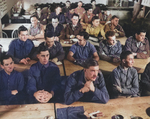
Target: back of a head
(109, 34)
(124, 54)
(90, 62)
(5, 56)
(41, 49)
(22, 28)
(48, 34)
(84, 34)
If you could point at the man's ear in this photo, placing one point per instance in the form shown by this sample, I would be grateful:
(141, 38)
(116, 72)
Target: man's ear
(84, 70)
(123, 60)
(2, 66)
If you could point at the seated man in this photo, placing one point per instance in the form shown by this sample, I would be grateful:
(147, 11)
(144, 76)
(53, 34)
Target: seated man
(21, 48)
(55, 28)
(124, 77)
(86, 85)
(138, 44)
(82, 50)
(145, 81)
(114, 26)
(110, 49)
(55, 49)
(12, 82)
(36, 30)
(73, 29)
(95, 30)
(67, 7)
(79, 10)
(69, 14)
(43, 80)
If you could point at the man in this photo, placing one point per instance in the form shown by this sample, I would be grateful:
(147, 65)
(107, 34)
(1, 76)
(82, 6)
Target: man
(73, 29)
(86, 85)
(124, 77)
(110, 49)
(12, 82)
(36, 30)
(96, 9)
(43, 79)
(55, 49)
(114, 26)
(82, 50)
(79, 10)
(145, 81)
(67, 7)
(21, 48)
(138, 44)
(55, 28)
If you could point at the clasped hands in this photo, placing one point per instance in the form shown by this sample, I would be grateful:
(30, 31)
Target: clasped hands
(43, 96)
(118, 88)
(88, 86)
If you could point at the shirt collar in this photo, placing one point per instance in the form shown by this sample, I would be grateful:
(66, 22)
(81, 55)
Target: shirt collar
(40, 65)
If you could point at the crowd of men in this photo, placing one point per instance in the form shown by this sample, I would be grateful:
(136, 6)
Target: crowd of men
(43, 83)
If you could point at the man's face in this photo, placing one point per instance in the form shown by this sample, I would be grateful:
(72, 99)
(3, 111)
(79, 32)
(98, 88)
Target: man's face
(90, 11)
(55, 22)
(111, 40)
(8, 65)
(96, 22)
(58, 10)
(91, 73)
(67, 4)
(129, 61)
(38, 10)
(34, 21)
(43, 57)
(93, 3)
(23, 35)
(81, 40)
(140, 37)
(50, 41)
(115, 21)
(75, 20)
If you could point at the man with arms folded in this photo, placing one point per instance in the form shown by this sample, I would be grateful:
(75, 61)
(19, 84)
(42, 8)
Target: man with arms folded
(82, 50)
(124, 77)
(54, 47)
(86, 85)
(138, 44)
(21, 48)
(110, 49)
(43, 79)
(11, 82)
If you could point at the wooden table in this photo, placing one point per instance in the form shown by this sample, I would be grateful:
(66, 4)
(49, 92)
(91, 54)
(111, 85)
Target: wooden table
(122, 106)
(22, 67)
(28, 111)
(106, 67)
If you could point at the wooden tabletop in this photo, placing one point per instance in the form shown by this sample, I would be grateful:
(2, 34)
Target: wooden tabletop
(28, 111)
(122, 106)
(106, 67)
(22, 67)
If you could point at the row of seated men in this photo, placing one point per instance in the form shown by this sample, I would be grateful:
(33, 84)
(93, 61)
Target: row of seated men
(64, 13)
(43, 83)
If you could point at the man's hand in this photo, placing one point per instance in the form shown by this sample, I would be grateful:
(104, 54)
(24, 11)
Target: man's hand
(14, 92)
(56, 39)
(39, 95)
(47, 96)
(116, 59)
(72, 36)
(24, 61)
(55, 60)
(90, 85)
(118, 88)
(134, 54)
(84, 89)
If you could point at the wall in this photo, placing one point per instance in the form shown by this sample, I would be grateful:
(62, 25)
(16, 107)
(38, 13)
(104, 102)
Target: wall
(27, 3)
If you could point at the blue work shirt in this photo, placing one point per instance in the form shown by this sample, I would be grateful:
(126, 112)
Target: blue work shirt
(20, 49)
(14, 81)
(43, 77)
(83, 52)
(76, 81)
(107, 52)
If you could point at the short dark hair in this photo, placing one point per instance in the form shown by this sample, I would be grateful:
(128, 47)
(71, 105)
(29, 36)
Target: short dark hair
(41, 48)
(114, 16)
(81, 2)
(55, 17)
(139, 30)
(124, 54)
(93, 0)
(74, 14)
(5, 56)
(34, 16)
(22, 28)
(84, 34)
(90, 62)
(93, 18)
(109, 34)
(68, 1)
(48, 34)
